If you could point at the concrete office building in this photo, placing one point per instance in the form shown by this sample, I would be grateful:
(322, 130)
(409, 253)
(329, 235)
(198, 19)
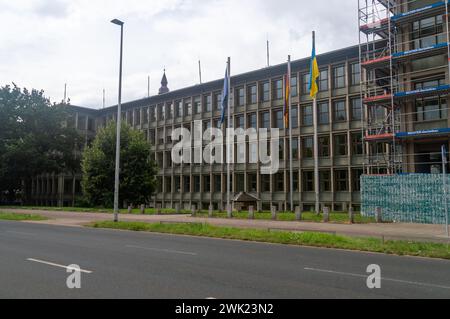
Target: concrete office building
(391, 118)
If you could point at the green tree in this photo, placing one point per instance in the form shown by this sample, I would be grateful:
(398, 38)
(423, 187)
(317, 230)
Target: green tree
(137, 170)
(33, 139)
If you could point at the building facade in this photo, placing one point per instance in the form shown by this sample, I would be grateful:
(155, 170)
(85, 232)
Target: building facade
(382, 109)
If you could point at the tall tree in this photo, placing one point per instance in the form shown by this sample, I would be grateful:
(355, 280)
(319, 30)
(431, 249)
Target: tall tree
(137, 170)
(33, 139)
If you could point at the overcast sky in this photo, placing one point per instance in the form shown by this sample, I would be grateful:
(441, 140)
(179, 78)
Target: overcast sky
(46, 43)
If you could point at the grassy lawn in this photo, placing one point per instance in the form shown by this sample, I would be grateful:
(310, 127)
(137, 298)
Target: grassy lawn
(136, 211)
(20, 217)
(431, 250)
(335, 217)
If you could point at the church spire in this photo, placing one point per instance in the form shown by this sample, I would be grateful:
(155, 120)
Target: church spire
(164, 89)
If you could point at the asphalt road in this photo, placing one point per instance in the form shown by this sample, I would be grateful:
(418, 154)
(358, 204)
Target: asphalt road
(141, 265)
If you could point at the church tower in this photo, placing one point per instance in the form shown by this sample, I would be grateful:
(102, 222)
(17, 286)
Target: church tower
(164, 89)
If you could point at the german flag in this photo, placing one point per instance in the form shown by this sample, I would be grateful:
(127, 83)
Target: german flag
(287, 98)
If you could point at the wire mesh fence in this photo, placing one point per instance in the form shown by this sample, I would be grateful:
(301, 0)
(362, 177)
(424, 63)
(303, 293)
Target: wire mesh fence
(412, 198)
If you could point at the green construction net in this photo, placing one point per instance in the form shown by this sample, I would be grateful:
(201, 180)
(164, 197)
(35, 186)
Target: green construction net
(412, 198)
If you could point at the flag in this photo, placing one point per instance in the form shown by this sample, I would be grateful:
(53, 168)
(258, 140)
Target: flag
(287, 95)
(225, 96)
(314, 73)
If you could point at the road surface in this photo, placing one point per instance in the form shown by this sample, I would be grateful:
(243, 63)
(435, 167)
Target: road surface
(120, 264)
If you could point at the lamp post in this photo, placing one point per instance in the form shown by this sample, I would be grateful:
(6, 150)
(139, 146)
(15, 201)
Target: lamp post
(119, 124)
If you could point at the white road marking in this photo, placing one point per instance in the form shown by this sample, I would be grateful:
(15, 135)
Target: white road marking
(383, 279)
(163, 250)
(57, 265)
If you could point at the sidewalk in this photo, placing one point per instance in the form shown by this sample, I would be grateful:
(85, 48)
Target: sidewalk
(417, 232)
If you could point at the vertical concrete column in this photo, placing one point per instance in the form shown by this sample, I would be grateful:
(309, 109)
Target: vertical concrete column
(351, 215)
(210, 212)
(298, 213)
(251, 212)
(274, 213)
(379, 215)
(326, 215)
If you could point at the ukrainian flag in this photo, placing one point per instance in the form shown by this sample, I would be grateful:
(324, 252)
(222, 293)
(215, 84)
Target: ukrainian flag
(314, 72)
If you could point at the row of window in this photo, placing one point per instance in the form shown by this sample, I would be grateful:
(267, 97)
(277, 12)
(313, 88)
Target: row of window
(301, 148)
(276, 183)
(209, 103)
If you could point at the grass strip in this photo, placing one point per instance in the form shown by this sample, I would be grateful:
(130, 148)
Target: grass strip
(401, 248)
(20, 217)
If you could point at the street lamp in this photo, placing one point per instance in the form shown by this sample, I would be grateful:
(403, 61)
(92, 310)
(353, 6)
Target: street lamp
(119, 119)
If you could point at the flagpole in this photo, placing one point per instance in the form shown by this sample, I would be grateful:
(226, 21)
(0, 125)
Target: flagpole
(316, 147)
(229, 142)
(291, 173)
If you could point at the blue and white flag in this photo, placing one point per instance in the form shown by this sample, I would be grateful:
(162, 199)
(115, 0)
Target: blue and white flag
(225, 96)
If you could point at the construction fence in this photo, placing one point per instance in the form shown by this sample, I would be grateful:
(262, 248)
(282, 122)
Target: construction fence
(411, 198)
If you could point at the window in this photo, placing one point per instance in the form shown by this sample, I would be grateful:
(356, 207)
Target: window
(168, 182)
(294, 149)
(279, 182)
(278, 89)
(187, 108)
(265, 88)
(218, 101)
(431, 109)
(323, 80)
(179, 109)
(137, 117)
(308, 181)
(281, 150)
(240, 121)
(294, 117)
(296, 182)
(305, 84)
(252, 122)
(265, 183)
(356, 109)
(186, 184)
(307, 115)
(341, 177)
(339, 77)
(197, 105)
(90, 125)
(252, 182)
(240, 96)
(279, 119)
(324, 146)
(240, 183)
(252, 94)
(356, 179)
(324, 113)
(208, 103)
(355, 70)
(207, 184)
(428, 32)
(177, 184)
(81, 122)
(325, 181)
(340, 145)
(357, 143)
(217, 183)
(197, 184)
(265, 120)
(171, 113)
(294, 86)
(145, 115)
(308, 147)
(340, 114)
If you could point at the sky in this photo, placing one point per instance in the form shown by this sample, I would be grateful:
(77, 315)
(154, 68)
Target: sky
(47, 43)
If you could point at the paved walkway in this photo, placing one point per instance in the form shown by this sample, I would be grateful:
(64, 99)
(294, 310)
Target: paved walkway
(433, 233)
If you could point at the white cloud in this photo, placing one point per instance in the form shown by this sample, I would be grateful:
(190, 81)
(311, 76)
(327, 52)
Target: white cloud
(46, 43)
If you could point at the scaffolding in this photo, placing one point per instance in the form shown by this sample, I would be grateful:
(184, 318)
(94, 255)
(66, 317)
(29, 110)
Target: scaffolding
(390, 42)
